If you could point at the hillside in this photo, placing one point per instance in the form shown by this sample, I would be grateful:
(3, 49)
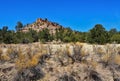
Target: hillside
(59, 62)
(41, 24)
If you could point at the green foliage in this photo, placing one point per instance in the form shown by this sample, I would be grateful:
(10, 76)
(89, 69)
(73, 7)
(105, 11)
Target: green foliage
(115, 38)
(44, 35)
(67, 35)
(6, 36)
(1, 36)
(19, 26)
(98, 35)
(111, 33)
(9, 37)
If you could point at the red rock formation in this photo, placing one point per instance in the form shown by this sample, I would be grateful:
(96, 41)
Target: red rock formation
(41, 24)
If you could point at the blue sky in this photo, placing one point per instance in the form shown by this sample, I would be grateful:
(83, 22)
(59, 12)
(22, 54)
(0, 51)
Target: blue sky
(80, 15)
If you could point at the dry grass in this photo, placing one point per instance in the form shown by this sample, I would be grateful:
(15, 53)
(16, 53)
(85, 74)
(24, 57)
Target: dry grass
(9, 50)
(47, 76)
(83, 53)
(34, 61)
(1, 51)
(68, 50)
(79, 44)
(118, 49)
(21, 62)
(28, 59)
(100, 51)
(94, 64)
(117, 59)
(5, 57)
(111, 55)
(106, 57)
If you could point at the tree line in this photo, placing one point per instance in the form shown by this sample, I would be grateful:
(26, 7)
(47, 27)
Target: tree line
(97, 35)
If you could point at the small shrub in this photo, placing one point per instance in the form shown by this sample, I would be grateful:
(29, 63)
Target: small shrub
(30, 74)
(43, 58)
(77, 53)
(46, 77)
(66, 78)
(116, 79)
(23, 62)
(9, 53)
(94, 76)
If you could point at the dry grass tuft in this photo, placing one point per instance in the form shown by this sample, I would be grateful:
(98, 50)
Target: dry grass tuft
(5, 57)
(84, 53)
(34, 61)
(68, 50)
(47, 76)
(94, 64)
(117, 59)
(23, 61)
(106, 57)
(100, 51)
(1, 51)
(79, 44)
(9, 51)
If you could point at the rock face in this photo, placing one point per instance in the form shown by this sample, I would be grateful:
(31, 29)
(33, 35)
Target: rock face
(62, 62)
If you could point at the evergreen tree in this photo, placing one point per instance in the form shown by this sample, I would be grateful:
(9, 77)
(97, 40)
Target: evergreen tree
(98, 35)
(115, 38)
(19, 26)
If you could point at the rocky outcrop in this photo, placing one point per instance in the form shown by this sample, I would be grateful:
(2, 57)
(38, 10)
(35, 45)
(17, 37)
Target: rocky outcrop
(41, 24)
